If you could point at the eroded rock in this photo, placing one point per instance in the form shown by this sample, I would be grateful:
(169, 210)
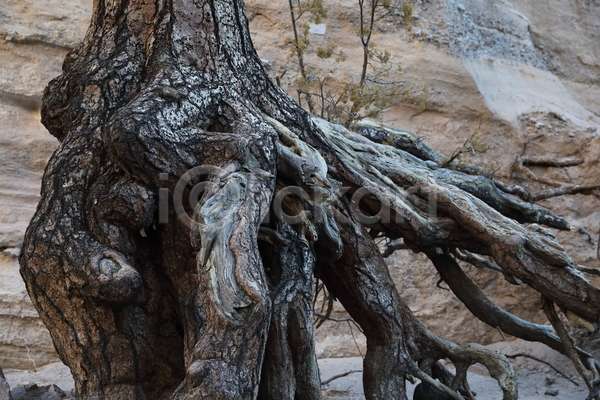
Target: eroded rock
(4, 388)
(24, 340)
(35, 392)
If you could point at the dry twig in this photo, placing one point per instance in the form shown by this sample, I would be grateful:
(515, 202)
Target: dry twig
(513, 356)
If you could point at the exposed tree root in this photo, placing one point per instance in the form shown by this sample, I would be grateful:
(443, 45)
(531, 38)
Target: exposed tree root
(589, 369)
(166, 101)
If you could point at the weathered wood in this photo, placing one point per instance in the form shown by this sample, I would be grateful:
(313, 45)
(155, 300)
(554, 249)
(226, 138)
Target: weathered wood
(290, 369)
(150, 296)
(360, 280)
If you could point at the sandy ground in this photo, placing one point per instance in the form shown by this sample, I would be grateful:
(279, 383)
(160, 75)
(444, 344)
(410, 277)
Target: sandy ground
(532, 377)
(532, 385)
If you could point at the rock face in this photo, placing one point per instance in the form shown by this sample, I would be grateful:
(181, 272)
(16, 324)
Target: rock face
(34, 392)
(4, 388)
(34, 39)
(525, 77)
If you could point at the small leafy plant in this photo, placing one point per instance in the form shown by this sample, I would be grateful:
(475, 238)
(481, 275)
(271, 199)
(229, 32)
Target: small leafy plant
(340, 101)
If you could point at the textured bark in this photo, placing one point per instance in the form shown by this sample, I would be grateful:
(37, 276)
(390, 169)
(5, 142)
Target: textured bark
(290, 369)
(361, 281)
(149, 296)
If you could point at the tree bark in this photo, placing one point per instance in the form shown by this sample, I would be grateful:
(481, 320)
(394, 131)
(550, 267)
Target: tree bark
(150, 296)
(290, 369)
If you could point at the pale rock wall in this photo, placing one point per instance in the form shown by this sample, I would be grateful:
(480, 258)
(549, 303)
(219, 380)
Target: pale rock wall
(524, 75)
(35, 36)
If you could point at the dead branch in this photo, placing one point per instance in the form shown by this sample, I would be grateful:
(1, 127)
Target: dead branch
(475, 260)
(589, 270)
(519, 167)
(333, 378)
(349, 320)
(589, 372)
(552, 161)
(558, 371)
(391, 248)
(515, 190)
(484, 309)
(564, 190)
(560, 188)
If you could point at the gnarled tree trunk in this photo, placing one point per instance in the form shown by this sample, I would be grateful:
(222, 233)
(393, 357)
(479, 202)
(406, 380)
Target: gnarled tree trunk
(150, 296)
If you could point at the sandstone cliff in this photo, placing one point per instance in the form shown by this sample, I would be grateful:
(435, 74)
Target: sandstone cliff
(525, 76)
